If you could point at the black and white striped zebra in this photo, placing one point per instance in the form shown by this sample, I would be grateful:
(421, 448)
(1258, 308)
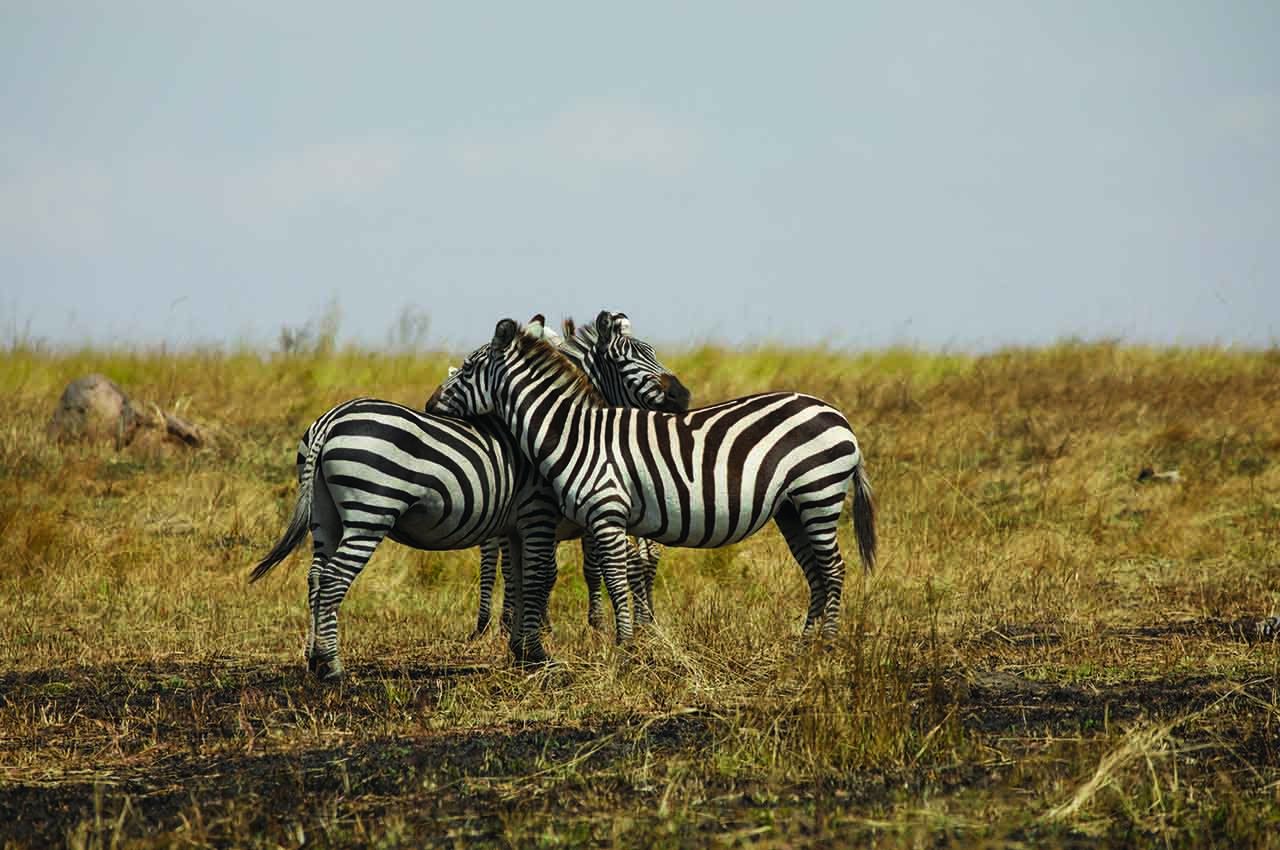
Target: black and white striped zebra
(703, 478)
(621, 367)
(373, 469)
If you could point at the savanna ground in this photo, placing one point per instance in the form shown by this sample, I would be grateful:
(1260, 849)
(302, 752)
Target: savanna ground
(1050, 654)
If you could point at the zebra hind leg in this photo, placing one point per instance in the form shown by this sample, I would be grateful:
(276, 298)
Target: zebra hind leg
(793, 531)
(820, 527)
(326, 533)
(318, 559)
(335, 580)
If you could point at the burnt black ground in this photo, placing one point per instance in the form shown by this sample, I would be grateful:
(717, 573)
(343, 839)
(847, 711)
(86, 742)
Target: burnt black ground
(207, 757)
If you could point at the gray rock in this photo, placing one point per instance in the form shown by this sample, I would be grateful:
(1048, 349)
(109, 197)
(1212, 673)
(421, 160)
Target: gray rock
(95, 409)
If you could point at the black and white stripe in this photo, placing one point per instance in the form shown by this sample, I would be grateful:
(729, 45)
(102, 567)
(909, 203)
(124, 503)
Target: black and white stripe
(704, 478)
(376, 469)
(372, 469)
(626, 371)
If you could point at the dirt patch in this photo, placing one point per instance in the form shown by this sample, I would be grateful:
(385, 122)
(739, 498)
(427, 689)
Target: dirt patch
(997, 701)
(1248, 630)
(477, 775)
(213, 752)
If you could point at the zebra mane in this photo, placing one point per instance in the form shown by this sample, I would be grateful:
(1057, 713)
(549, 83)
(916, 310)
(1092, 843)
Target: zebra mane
(540, 351)
(584, 336)
(578, 343)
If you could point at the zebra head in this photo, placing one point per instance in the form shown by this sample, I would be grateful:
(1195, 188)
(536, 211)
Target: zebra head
(537, 329)
(484, 381)
(466, 391)
(623, 368)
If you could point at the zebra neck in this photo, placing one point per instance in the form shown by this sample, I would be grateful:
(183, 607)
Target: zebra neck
(550, 420)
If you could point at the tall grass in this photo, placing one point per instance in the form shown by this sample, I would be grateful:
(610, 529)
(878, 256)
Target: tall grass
(1045, 654)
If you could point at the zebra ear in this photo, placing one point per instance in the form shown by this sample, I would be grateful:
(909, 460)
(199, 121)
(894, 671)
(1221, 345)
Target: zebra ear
(503, 334)
(568, 326)
(536, 326)
(604, 328)
(622, 323)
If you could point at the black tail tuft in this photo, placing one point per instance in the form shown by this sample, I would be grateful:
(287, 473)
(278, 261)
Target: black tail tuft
(293, 535)
(864, 517)
(300, 522)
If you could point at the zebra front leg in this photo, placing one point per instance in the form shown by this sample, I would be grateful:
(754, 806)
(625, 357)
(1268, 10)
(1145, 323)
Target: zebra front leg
(509, 608)
(652, 554)
(641, 567)
(635, 582)
(611, 546)
(512, 591)
(591, 574)
(488, 573)
(538, 574)
(510, 586)
(335, 580)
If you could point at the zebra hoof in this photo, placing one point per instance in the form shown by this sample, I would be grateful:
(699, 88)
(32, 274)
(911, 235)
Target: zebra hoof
(529, 654)
(326, 669)
(479, 632)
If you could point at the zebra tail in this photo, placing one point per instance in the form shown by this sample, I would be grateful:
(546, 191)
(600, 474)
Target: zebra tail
(300, 522)
(864, 517)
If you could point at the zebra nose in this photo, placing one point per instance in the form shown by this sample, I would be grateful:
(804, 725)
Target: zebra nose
(677, 395)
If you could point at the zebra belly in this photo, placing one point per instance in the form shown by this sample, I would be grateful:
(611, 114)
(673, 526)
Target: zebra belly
(567, 529)
(673, 538)
(420, 527)
(732, 503)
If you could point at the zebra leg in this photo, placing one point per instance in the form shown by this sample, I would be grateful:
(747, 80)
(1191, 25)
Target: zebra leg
(335, 579)
(488, 572)
(635, 582)
(611, 546)
(326, 533)
(319, 558)
(637, 569)
(537, 568)
(640, 572)
(820, 528)
(512, 590)
(793, 531)
(510, 586)
(591, 574)
(651, 571)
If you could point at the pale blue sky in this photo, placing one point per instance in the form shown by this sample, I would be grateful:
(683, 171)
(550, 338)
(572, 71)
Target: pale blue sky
(945, 174)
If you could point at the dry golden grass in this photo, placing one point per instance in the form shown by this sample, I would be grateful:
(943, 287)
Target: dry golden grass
(1051, 653)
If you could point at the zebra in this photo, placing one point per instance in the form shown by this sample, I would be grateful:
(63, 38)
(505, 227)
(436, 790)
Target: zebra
(616, 365)
(702, 478)
(372, 469)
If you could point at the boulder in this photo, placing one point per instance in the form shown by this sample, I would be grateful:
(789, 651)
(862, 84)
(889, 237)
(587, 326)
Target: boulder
(95, 409)
(91, 408)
